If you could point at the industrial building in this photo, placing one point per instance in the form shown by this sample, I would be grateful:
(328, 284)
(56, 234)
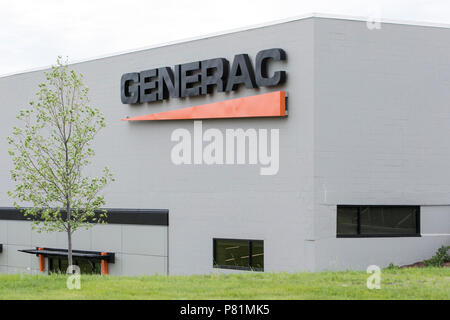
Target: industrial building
(315, 143)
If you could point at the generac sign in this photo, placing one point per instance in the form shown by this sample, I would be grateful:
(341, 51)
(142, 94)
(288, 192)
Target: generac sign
(203, 77)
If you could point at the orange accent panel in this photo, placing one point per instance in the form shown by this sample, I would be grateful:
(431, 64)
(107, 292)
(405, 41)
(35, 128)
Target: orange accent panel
(263, 105)
(105, 270)
(41, 261)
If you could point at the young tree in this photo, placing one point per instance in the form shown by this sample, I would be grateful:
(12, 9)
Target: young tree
(50, 152)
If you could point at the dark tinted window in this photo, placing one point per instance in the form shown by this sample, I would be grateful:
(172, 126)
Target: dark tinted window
(388, 220)
(378, 220)
(232, 253)
(347, 220)
(258, 254)
(60, 265)
(239, 254)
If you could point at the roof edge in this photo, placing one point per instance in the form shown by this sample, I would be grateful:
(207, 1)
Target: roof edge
(235, 30)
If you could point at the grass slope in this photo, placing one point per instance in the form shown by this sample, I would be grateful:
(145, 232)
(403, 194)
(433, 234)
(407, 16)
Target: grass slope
(428, 283)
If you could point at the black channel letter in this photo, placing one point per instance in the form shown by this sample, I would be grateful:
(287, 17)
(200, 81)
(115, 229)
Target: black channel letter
(148, 84)
(241, 72)
(168, 83)
(262, 59)
(129, 88)
(214, 72)
(188, 79)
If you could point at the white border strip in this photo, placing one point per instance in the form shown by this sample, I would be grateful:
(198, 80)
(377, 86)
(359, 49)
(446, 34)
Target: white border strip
(251, 27)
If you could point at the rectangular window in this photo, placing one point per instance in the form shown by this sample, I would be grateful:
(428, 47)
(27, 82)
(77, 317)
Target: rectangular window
(238, 254)
(60, 265)
(378, 221)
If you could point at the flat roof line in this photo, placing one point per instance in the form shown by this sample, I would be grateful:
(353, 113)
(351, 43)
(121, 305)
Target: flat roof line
(240, 29)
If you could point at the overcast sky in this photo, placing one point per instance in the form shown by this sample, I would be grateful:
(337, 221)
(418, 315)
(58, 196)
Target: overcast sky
(34, 32)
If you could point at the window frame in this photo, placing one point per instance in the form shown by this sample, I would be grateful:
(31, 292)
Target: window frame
(394, 235)
(250, 249)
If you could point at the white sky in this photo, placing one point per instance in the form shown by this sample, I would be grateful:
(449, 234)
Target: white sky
(34, 32)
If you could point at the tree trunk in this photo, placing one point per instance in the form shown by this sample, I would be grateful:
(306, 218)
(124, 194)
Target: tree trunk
(69, 246)
(69, 238)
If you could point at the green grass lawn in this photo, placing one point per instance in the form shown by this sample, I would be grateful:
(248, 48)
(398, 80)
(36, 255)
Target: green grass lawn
(428, 283)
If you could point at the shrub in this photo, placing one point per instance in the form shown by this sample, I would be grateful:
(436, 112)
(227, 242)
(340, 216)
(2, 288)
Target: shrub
(439, 258)
(392, 266)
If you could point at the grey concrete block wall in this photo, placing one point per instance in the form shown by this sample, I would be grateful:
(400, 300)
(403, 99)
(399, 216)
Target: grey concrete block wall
(202, 199)
(436, 222)
(358, 254)
(380, 135)
(381, 113)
